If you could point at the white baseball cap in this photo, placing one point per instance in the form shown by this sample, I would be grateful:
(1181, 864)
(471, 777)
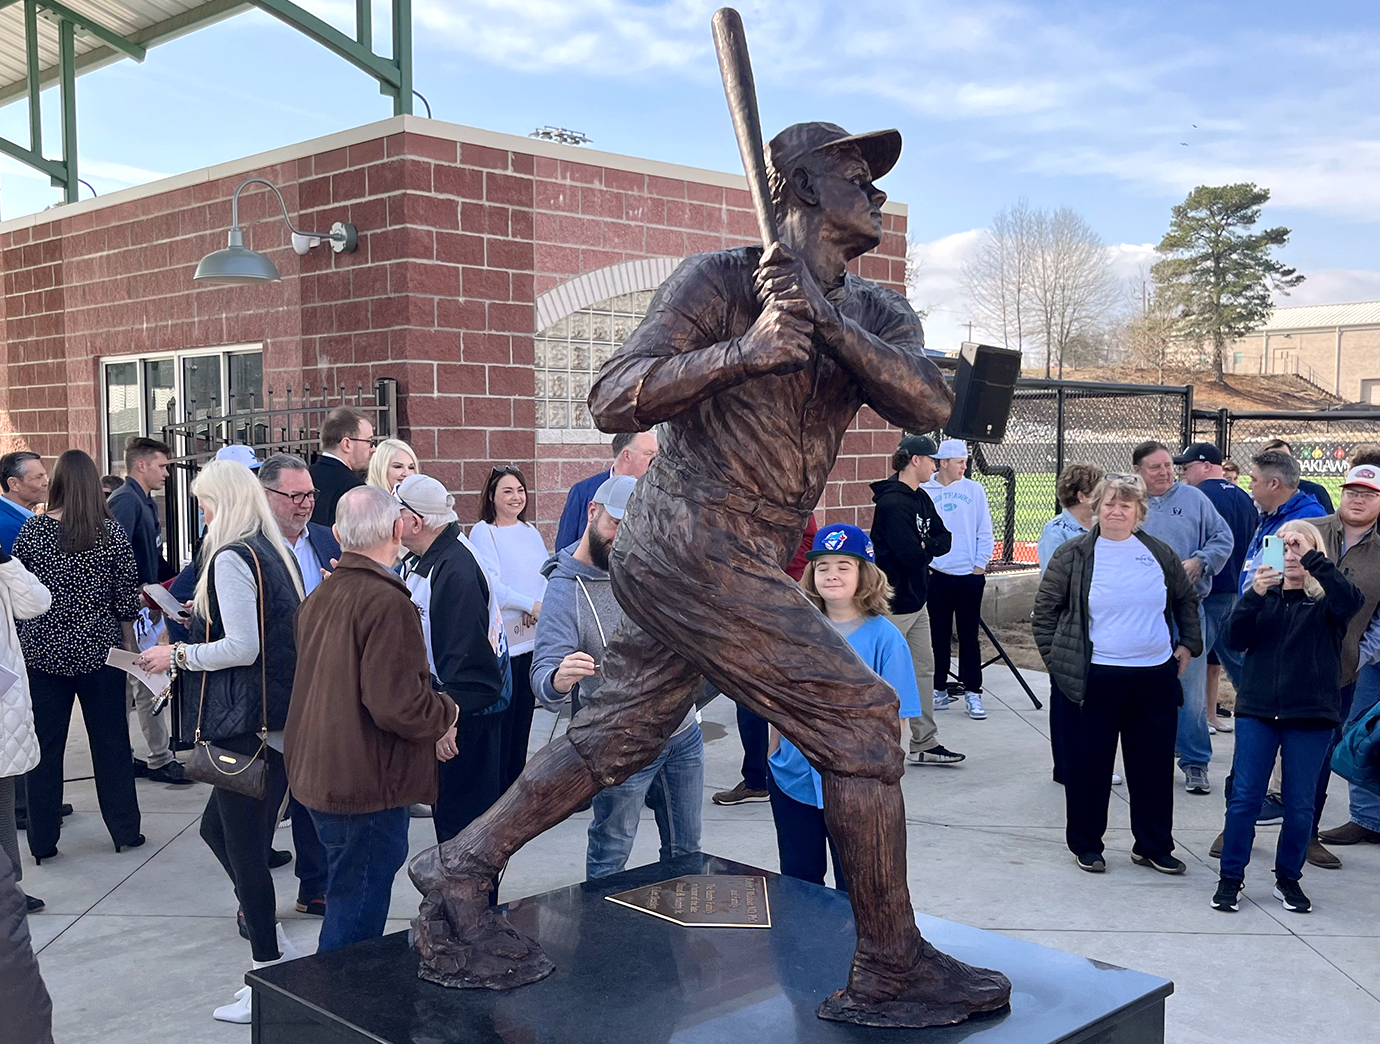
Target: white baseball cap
(613, 494)
(240, 455)
(425, 496)
(1366, 476)
(949, 449)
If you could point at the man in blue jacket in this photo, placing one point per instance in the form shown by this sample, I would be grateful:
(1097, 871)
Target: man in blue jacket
(1275, 489)
(25, 486)
(1185, 519)
(631, 455)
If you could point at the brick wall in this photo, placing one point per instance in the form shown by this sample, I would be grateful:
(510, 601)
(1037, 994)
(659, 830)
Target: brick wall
(460, 231)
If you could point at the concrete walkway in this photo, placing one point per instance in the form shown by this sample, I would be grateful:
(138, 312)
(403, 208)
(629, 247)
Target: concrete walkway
(141, 946)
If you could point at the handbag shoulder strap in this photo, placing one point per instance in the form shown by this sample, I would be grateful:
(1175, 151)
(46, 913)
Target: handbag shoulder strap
(263, 642)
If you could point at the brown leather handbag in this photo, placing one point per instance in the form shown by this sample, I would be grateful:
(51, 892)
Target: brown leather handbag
(245, 774)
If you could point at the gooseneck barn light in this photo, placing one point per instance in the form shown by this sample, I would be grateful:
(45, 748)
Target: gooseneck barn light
(237, 264)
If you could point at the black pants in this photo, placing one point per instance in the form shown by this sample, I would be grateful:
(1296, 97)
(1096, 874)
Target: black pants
(1061, 711)
(102, 696)
(310, 864)
(1325, 776)
(1141, 706)
(802, 839)
(470, 781)
(238, 831)
(517, 723)
(752, 730)
(961, 597)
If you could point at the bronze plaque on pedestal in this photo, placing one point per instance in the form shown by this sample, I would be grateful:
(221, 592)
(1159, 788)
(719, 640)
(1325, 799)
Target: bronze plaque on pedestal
(703, 901)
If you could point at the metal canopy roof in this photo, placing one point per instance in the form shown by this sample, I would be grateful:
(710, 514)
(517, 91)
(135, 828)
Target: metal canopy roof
(1315, 317)
(135, 24)
(51, 41)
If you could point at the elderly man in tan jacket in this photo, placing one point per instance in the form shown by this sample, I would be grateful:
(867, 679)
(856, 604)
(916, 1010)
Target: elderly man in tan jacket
(366, 728)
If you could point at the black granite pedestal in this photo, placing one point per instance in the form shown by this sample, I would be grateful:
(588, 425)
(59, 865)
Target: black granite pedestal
(624, 977)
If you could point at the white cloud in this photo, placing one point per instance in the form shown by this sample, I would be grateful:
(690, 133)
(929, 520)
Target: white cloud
(1333, 286)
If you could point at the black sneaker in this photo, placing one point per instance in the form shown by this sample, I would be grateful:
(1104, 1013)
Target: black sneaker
(936, 755)
(33, 904)
(172, 773)
(1271, 811)
(1291, 895)
(315, 906)
(141, 769)
(278, 857)
(1092, 862)
(64, 810)
(1227, 898)
(1165, 864)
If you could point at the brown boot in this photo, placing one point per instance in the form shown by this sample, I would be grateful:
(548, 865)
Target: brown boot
(1215, 850)
(1321, 858)
(937, 990)
(1350, 833)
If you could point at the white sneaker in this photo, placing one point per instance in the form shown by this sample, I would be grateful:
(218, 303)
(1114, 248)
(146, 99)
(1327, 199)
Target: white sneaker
(1116, 780)
(285, 947)
(240, 1010)
(942, 699)
(974, 701)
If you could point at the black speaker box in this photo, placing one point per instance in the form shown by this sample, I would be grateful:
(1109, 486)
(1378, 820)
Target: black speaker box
(983, 388)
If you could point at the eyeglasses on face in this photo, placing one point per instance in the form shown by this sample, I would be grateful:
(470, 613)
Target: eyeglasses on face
(1359, 494)
(298, 499)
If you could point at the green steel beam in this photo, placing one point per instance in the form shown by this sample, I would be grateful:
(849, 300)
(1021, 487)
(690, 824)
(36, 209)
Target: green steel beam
(90, 25)
(333, 39)
(67, 60)
(31, 65)
(364, 24)
(402, 56)
(52, 168)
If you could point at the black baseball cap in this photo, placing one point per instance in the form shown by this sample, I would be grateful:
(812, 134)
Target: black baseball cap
(1200, 451)
(918, 446)
(880, 149)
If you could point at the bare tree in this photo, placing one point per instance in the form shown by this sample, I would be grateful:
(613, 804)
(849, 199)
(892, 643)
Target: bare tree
(998, 277)
(1043, 277)
(1149, 332)
(1073, 289)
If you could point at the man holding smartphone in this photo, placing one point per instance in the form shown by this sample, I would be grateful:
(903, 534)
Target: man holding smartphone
(1275, 489)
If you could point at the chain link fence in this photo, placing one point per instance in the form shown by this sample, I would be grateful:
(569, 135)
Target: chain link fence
(1054, 423)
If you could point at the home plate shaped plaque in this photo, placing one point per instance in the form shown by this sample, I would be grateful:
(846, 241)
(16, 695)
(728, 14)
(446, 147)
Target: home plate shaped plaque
(703, 901)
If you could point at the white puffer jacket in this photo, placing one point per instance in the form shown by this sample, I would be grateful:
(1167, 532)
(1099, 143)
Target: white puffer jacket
(21, 597)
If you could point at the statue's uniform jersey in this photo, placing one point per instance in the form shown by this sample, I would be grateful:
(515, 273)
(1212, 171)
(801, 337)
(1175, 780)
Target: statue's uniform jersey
(697, 565)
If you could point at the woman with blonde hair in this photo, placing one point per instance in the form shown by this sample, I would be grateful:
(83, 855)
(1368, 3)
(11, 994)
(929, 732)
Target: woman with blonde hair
(1107, 607)
(1289, 625)
(237, 684)
(392, 462)
(845, 583)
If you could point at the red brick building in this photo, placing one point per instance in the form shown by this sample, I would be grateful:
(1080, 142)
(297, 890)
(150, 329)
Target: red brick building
(493, 275)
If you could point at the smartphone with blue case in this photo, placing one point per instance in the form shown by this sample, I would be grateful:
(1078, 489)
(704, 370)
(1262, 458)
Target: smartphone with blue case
(1273, 553)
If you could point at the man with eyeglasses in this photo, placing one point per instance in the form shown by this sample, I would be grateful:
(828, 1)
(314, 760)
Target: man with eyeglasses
(347, 443)
(1349, 539)
(292, 498)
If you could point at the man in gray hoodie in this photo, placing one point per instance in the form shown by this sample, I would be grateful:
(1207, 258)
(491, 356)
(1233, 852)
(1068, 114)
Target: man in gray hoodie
(579, 614)
(1184, 518)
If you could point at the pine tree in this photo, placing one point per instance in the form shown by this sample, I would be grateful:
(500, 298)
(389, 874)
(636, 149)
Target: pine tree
(1217, 274)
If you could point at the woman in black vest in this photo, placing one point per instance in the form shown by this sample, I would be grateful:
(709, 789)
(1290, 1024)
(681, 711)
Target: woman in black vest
(247, 592)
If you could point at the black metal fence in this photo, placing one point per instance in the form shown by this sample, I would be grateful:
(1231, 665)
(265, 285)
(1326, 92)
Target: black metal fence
(1054, 423)
(286, 423)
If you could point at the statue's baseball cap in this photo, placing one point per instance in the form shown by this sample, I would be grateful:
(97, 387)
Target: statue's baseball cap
(1365, 476)
(918, 446)
(1204, 452)
(880, 148)
(613, 494)
(842, 539)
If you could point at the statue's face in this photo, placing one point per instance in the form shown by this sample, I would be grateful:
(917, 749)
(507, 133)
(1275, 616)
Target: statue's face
(851, 205)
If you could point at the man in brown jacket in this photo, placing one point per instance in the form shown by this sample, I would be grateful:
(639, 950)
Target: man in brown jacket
(365, 728)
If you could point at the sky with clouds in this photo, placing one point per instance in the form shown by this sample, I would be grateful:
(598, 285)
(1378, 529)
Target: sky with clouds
(1115, 109)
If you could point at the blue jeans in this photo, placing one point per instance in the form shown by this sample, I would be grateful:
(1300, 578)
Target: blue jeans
(1365, 805)
(363, 855)
(1216, 611)
(617, 810)
(1192, 742)
(1301, 751)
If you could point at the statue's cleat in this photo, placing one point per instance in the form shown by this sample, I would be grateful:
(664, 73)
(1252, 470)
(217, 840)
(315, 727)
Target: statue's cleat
(462, 941)
(938, 990)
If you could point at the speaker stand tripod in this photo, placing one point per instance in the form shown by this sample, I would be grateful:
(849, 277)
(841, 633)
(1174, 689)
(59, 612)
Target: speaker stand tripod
(1002, 655)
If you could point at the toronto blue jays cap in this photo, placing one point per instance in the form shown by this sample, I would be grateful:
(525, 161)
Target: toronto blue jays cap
(842, 539)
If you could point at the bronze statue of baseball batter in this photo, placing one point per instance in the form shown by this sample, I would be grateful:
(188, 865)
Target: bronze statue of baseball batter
(754, 366)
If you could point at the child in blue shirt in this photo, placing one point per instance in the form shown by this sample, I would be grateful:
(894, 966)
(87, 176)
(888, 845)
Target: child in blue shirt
(843, 580)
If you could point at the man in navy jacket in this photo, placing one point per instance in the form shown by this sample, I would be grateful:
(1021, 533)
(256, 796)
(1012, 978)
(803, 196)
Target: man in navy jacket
(631, 455)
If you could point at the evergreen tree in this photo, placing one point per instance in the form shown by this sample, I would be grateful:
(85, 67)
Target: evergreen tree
(1217, 274)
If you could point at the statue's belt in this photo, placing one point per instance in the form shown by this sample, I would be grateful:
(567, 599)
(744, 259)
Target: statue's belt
(677, 483)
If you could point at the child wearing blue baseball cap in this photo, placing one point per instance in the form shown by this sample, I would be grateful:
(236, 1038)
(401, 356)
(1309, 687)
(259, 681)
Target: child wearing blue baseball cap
(844, 582)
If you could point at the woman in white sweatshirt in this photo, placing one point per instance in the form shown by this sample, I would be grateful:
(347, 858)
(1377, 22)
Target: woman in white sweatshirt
(511, 552)
(22, 597)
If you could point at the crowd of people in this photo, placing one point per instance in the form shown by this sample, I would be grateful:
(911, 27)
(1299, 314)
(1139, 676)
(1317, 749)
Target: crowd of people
(362, 656)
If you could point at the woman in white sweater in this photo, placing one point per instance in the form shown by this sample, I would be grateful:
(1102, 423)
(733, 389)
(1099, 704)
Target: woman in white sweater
(22, 597)
(512, 552)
